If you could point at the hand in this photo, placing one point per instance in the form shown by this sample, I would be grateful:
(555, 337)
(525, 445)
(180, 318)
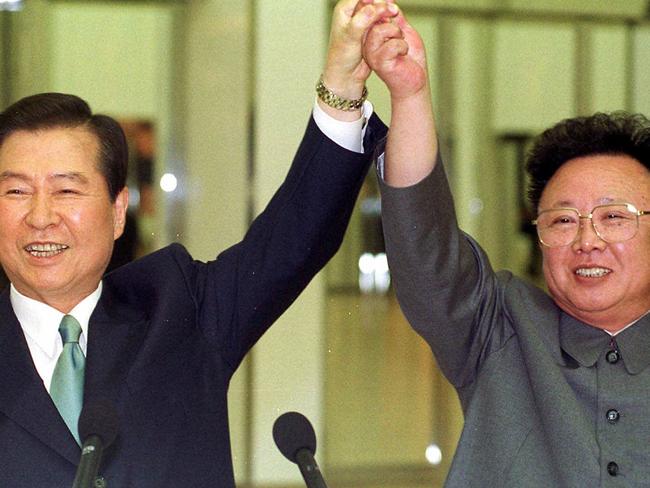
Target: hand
(346, 71)
(395, 51)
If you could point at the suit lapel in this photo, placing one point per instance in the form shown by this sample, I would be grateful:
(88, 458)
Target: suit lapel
(115, 335)
(23, 397)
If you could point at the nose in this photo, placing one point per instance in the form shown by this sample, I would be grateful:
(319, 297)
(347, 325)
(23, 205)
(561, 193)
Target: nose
(588, 239)
(41, 213)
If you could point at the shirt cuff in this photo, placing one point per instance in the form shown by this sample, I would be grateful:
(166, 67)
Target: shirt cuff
(348, 135)
(381, 166)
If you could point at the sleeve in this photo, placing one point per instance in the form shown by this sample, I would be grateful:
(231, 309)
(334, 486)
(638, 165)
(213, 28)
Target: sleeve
(443, 279)
(349, 135)
(252, 283)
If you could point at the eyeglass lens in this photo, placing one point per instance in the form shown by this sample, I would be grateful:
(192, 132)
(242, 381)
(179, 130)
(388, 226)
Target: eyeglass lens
(612, 223)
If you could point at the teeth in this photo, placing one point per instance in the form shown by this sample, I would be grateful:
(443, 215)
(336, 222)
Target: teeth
(592, 272)
(45, 250)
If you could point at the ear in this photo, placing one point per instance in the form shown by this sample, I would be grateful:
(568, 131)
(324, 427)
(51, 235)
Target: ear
(119, 212)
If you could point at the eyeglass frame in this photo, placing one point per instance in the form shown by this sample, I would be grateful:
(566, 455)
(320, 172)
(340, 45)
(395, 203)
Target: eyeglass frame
(631, 208)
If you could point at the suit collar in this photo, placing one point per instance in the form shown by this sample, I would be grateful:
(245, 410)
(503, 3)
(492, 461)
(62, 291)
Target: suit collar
(23, 397)
(582, 342)
(585, 343)
(634, 344)
(115, 335)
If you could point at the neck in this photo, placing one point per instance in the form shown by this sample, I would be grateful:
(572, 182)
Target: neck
(610, 323)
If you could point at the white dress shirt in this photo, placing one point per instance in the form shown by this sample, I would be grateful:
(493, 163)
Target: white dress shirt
(40, 324)
(346, 134)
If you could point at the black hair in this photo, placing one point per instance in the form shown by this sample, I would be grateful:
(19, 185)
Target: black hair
(53, 110)
(602, 133)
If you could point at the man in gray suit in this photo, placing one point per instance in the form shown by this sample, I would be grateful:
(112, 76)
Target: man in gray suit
(554, 389)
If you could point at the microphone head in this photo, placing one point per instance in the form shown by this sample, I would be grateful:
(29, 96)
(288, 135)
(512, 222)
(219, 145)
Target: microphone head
(292, 432)
(100, 419)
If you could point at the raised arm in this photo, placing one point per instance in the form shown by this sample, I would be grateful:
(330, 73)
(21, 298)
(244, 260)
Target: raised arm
(395, 51)
(303, 225)
(443, 280)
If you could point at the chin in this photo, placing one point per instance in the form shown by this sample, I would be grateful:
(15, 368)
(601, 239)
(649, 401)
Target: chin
(583, 306)
(593, 305)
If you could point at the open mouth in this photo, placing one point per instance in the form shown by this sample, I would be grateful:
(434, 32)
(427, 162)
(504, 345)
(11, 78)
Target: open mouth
(592, 272)
(45, 250)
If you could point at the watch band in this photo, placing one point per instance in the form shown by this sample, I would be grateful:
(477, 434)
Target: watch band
(333, 100)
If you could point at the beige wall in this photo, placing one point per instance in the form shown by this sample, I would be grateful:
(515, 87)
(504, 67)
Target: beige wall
(641, 70)
(288, 361)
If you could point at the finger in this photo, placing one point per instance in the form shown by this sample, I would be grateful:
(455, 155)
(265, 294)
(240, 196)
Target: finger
(371, 14)
(400, 20)
(410, 35)
(392, 49)
(385, 56)
(360, 4)
(386, 60)
(387, 31)
(346, 9)
(379, 34)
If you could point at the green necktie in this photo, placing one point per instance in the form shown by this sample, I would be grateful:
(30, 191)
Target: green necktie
(67, 387)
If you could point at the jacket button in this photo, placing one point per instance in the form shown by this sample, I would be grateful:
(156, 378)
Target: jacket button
(612, 468)
(100, 482)
(612, 357)
(613, 416)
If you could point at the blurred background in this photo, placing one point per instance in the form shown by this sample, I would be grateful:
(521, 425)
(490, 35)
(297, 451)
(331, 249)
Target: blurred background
(215, 95)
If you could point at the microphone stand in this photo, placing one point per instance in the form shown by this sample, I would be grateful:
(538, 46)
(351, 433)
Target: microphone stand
(309, 469)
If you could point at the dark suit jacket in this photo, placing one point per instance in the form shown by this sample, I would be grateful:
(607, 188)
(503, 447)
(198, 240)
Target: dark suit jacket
(169, 332)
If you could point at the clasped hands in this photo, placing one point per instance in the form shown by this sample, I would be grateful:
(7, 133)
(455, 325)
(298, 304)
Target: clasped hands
(373, 35)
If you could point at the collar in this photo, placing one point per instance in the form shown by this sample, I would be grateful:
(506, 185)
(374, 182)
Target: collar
(613, 334)
(40, 322)
(585, 343)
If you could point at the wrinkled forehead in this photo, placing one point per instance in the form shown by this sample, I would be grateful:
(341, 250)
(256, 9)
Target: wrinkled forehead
(597, 179)
(72, 145)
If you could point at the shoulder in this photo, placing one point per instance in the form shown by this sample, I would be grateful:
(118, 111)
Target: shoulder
(522, 296)
(161, 262)
(170, 271)
(533, 313)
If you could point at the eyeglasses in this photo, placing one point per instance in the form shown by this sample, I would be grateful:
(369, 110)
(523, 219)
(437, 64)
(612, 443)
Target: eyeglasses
(617, 222)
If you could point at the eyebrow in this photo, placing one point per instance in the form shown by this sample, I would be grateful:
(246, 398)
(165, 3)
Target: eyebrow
(6, 175)
(600, 201)
(71, 176)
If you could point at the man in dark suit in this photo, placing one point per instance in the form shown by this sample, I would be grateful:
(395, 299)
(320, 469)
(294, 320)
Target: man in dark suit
(159, 338)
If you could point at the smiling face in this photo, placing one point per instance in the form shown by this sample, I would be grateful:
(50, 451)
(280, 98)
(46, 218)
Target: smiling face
(603, 284)
(57, 221)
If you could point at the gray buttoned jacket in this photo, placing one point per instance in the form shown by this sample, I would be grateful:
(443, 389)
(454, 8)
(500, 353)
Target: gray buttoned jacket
(548, 400)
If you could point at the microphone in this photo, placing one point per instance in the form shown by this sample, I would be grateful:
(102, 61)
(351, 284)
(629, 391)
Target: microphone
(98, 425)
(296, 440)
